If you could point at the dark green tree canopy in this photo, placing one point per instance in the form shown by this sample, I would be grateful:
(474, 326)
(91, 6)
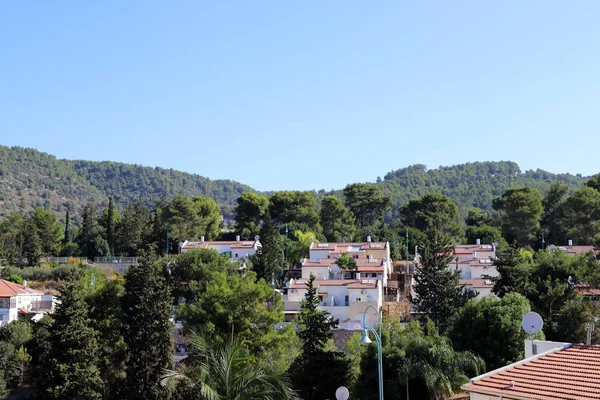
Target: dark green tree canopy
(339, 224)
(521, 212)
(367, 203)
(434, 211)
(250, 211)
(294, 206)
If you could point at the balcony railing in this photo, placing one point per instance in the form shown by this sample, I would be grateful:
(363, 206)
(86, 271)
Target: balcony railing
(8, 303)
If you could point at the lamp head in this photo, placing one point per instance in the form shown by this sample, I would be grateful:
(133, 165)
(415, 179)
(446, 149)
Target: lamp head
(365, 338)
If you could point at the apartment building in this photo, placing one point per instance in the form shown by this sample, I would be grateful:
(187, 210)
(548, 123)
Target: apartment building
(235, 249)
(20, 301)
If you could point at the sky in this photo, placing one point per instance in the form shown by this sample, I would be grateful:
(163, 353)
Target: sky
(303, 95)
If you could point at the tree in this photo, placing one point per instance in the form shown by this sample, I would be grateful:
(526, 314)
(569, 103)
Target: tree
(579, 217)
(521, 210)
(268, 260)
(71, 359)
(553, 204)
(437, 289)
(366, 202)
(570, 322)
(67, 237)
(513, 275)
(14, 359)
(486, 233)
(91, 237)
(594, 182)
(250, 210)
(147, 330)
(477, 217)
(339, 224)
(415, 360)
(289, 206)
(232, 304)
(433, 211)
(12, 238)
(346, 263)
(317, 371)
(48, 231)
(133, 231)
(31, 242)
(226, 372)
(496, 320)
(110, 226)
(297, 247)
(192, 217)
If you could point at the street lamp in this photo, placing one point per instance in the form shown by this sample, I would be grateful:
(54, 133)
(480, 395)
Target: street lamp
(366, 340)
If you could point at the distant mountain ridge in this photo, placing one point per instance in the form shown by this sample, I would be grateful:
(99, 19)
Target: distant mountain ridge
(30, 178)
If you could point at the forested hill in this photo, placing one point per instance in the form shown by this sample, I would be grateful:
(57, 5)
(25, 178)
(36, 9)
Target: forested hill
(30, 178)
(468, 185)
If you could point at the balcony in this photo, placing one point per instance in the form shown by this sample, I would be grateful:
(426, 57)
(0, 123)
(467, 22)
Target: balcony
(8, 302)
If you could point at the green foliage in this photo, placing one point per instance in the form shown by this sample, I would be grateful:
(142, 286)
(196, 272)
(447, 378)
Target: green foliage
(91, 237)
(292, 206)
(317, 371)
(433, 211)
(339, 224)
(477, 217)
(134, 230)
(487, 234)
(14, 359)
(578, 217)
(366, 202)
(250, 210)
(512, 270)
(419, 358)
(594, 182)
(192, 217)
(240, 305)
(553, 203)
(15, 278)
(496, 320)
(297, 246)
(570, 322)
(521, 210)
(268, 260)
(71, 357)
(436, 286)
(147, 330)
(225, 371)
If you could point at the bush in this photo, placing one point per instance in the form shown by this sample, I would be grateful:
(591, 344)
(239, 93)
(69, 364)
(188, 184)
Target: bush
(67, 272)
(15, 278)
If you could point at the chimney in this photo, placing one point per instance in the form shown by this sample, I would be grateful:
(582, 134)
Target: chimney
(478, 241)
(475, 255)
(570, 242)
(237, 238)
(370, 256)
(358, 275)
(24, 283)
(202, 239)
(369, 239)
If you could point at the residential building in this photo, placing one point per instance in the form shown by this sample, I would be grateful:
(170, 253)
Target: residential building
(565, 372)
(236, 249)
(20, 301)
(345, 294)
(482, 286)
(474, 261)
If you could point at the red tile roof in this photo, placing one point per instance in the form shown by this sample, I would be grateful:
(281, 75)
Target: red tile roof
(350, 283)
(571, 373)
(243, 244)
(9, 289)
(477, 282)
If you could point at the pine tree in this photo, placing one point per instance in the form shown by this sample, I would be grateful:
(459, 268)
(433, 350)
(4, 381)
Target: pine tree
(110, 227)
(147, 330)
(317, 372)
(71, 359)
(269, 257)
(31, 242)
(437, 289)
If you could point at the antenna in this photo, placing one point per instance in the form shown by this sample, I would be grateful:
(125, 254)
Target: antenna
(532, 323)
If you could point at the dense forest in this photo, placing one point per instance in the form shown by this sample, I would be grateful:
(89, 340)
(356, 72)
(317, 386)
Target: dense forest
(30, 179)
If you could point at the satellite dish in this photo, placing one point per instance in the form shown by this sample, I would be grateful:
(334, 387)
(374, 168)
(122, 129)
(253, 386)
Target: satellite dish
(342, 393)
(532, 323)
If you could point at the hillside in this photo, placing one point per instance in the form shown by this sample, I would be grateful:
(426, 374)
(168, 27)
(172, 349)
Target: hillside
(29, 178)
(468, 185)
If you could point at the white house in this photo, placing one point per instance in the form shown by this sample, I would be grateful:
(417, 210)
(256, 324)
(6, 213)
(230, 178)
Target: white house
(18, 300)
(345, 299)
(236, 249)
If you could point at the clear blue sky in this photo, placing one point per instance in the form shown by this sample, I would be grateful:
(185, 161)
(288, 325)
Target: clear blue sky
(303, 94)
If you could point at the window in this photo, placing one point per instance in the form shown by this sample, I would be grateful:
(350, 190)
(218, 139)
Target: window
(328, 256)
(374, 275)
(355, 256)
(359, 299)
(236, 255)
(347, 275)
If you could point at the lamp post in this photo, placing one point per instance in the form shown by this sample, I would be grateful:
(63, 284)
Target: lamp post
(366, 340)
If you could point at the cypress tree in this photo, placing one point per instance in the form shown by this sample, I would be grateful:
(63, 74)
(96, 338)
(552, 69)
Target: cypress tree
(147, 330)
(71, 358)
(269, 257)
(437, 289)
(317, 372)
(66, 235)
(110, 227)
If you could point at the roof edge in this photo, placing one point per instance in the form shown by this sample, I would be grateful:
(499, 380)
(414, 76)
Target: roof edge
(518, 363)
(494, 394)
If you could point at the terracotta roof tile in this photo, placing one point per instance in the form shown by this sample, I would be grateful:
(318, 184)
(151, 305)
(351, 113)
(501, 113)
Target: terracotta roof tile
(9, 289)
(571, 373)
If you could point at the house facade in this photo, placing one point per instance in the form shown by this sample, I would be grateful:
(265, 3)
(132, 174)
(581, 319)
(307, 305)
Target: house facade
(235, 250)
(344, 294)
(20, 301)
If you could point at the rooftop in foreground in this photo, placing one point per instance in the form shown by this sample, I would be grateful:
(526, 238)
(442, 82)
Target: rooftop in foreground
(568, 373)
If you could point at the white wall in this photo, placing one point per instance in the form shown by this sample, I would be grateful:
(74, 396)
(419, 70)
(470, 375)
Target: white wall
(318, 272)
(477, 396)
(542, 346)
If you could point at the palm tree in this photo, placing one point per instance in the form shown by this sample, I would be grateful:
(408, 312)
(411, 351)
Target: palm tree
(433, 361)
(224, 372)
(345, 262)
